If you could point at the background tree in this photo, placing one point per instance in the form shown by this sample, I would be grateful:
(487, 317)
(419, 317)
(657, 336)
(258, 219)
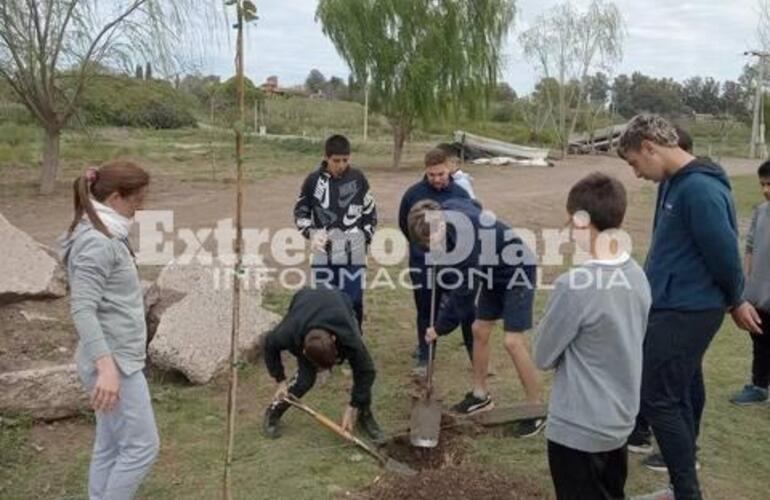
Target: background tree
(51, 49)
(504, 93)
(567, 44)
(422, 58)
(315, 81)
(734, 100)
(148, 72)
(597, 88)
(139, 72)
(335, 88)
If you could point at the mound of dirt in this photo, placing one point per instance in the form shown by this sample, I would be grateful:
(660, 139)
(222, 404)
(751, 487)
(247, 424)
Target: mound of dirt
(455, 483)
(450, 451)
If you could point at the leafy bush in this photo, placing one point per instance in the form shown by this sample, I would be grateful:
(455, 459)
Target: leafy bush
(128, 102)
(13, 112)
(502, 112)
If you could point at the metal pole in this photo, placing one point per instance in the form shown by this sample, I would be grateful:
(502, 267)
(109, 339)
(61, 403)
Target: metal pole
(757, 126)
(366, 109)
(761, 144)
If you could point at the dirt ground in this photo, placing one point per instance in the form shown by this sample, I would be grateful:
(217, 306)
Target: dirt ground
(455, 483)
(531, 197)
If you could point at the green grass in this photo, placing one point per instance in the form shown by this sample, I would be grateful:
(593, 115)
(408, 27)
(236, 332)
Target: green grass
(187, 155)
(719, 139)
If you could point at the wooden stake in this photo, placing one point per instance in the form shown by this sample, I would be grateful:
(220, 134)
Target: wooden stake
(238, 269)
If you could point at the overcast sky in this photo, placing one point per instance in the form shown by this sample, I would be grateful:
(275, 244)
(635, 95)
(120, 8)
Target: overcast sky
(668, 38)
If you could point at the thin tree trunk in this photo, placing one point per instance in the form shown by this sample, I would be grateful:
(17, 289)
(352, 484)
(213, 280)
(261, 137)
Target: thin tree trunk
(238, 267)
(399, 137)
(50, 161)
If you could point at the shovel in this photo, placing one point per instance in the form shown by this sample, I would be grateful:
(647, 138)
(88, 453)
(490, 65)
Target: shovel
(425, 421)
(386, 462)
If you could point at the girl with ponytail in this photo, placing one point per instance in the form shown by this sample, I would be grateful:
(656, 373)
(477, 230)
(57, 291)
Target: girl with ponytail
(108, 312)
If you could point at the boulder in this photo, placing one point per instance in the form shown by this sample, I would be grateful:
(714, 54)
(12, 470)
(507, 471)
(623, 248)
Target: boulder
(46, 393)
(28, 270)
(192, 321)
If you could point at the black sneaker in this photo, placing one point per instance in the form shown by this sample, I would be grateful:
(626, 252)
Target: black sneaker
(471, 404)
(369, 426)
(656, 463)
(272, 419)
(529, 428)
(640, 444)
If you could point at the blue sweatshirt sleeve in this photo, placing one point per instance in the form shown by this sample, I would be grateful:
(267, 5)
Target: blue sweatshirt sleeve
(710, 215)
(456, 305)
(403, 213)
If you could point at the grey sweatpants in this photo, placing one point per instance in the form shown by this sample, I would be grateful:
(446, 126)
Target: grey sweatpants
(126, 442)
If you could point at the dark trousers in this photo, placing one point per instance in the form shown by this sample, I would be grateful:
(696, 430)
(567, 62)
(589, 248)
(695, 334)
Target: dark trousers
(673, 352)
(579, 475)
(697, 402)
(299, 384)
(422, 300)
(760, 366)
(350, 279)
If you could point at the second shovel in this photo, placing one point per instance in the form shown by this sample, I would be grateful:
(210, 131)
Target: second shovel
(425, 420)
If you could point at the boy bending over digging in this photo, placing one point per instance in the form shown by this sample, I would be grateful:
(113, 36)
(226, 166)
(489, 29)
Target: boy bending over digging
(592, 335)
(321, 330)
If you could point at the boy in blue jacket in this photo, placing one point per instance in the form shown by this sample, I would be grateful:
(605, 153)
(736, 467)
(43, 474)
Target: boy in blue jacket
(695, 274)
(438, 185)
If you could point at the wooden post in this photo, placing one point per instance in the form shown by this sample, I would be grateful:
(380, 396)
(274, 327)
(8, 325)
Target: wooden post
(238, 267)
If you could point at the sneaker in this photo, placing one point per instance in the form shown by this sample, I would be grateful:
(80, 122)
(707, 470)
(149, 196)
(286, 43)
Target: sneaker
(529, 428)
(471, 404)
(656, 463)
(750, 395)
(640, 444)
(667, 494)
(369, 426)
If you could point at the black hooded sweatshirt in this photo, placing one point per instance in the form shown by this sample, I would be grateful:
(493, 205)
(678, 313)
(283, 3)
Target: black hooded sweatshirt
(330, 310)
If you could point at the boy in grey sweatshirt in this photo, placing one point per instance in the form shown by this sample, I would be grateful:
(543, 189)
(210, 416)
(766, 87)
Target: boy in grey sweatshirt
(757, 292)
(592, 335)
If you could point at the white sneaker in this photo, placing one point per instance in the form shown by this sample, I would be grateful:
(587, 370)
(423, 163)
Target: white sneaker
(667, 494)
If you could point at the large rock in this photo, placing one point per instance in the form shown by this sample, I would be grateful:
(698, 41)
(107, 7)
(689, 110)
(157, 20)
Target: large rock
(192, 321)
(28, 270)
(44, 393)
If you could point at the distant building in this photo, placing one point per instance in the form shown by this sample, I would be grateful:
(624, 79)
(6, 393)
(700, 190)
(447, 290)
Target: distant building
(270, 87)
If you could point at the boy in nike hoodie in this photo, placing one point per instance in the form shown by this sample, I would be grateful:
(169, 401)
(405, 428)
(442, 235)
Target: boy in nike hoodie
(336, 212)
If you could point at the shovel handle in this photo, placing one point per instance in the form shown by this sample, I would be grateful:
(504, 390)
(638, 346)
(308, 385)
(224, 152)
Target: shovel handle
(432, 324)
(334, 427)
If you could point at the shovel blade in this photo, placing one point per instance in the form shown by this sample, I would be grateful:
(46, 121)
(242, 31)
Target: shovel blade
(399, 468)
(425, 423)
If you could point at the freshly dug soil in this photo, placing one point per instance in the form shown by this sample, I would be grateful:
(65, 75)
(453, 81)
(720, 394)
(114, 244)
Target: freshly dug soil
(455, 483)
(450, 451)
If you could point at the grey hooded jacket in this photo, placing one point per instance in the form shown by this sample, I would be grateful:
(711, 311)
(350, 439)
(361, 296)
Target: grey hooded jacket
(106, 300)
